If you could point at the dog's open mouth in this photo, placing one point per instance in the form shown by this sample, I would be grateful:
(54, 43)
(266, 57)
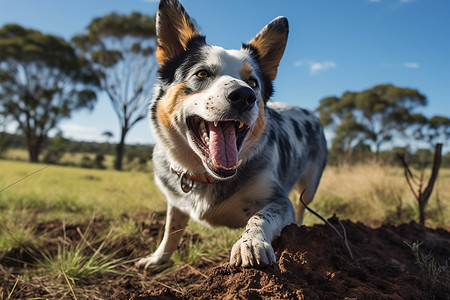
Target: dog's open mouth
(220, 142)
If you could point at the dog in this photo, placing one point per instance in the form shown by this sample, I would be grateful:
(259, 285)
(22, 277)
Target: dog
(224, 155)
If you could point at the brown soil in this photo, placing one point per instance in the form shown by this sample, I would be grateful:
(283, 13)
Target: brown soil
(312, 263)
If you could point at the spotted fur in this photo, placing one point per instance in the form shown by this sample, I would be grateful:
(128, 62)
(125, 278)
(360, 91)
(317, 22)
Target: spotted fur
(272, 148)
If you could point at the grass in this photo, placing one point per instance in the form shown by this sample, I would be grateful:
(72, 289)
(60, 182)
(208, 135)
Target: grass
(374, 194)
(17, 230)
(12, 290)
(74, 194)
(205, 241)
(80, 262)
(369, 193)
(431, 270)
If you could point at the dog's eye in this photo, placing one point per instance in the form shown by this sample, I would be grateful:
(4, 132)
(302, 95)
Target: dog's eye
(252, 83)
(202, 74)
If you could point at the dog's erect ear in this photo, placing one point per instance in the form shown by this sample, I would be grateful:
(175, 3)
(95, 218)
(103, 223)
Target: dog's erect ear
(174, 29)
(270, 43)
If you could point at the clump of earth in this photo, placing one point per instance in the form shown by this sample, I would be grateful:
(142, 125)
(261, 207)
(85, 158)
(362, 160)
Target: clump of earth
(313, 263)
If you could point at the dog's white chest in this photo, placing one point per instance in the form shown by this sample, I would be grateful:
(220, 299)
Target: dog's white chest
(238, 208)
(233, 212)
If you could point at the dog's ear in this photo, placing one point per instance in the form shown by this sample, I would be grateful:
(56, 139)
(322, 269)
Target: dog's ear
(270, 43)
(174, 29)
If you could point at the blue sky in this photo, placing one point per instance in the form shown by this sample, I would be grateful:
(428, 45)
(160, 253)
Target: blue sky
(334, 46)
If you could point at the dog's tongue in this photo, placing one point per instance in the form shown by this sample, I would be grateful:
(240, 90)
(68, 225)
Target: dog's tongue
(222, 143)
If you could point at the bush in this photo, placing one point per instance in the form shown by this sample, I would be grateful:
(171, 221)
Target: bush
(86, 162)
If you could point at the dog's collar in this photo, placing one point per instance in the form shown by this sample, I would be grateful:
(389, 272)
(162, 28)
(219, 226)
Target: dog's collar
(187, 179)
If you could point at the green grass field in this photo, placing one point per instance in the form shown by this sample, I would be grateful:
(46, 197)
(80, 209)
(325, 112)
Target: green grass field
(75, 193)
(372, 194)
(113, 213)
(369, 193)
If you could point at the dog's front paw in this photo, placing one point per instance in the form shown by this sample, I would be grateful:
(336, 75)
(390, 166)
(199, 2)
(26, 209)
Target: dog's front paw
(251, 252)
(151, 262)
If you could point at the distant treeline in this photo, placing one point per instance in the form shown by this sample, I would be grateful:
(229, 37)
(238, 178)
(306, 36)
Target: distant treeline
(418, 158)
(15, 141)
(55, 147)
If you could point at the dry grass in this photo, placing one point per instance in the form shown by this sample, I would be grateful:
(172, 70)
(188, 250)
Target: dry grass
(373, 193)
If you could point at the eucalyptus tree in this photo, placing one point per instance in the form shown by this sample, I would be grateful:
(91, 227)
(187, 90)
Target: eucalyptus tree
(372, 117)
(120, 49)
(4, 121)
(432, 130)
(42, 81)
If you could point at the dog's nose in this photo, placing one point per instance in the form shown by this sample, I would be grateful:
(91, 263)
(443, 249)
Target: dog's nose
(241, 97)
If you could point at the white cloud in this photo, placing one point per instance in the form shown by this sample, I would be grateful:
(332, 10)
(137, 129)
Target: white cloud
(314, 66)
(411, 65)
(317, 66)
(299, 63)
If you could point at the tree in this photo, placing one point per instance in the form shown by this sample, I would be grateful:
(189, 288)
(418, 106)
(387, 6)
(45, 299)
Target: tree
(372, 117)
(421, 192)
(433, 130)
(108, 135)
(56, 150)
(4, 138)
(120, 48)
(42, 81)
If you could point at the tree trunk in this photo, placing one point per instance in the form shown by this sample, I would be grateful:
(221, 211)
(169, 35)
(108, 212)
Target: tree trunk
(120, 150)
(34, 147)
(424, 195)
(422, 213)
(377, 151)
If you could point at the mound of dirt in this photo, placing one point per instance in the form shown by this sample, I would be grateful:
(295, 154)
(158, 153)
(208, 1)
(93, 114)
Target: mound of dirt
(312, 263)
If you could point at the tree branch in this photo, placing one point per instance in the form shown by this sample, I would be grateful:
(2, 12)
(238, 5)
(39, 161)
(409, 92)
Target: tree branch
(408, 174)
(434, 173)
(343, 238)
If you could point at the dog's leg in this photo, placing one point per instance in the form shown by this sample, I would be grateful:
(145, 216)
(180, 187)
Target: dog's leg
(176, 222)
(307, 183)
(254, 247)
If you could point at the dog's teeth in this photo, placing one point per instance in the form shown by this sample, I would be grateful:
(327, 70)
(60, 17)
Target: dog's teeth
(206, 139)
(241, 124)
(215, 162)
(203, 126)
(239, 163)
(216, 123)
(205, 135)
